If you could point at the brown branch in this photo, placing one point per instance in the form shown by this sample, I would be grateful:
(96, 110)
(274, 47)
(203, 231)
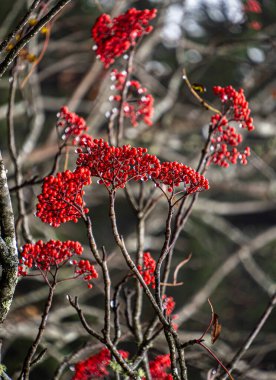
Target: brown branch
(128, 259)
(106, 340)
(75, 304)
(197, 96)
(107, 285)
(173, 351)
(116, 308)
(163, 255)
(25, 373)
(20, 26)
(139, 290)
(170, 333)
(137, 325)
(34, 31)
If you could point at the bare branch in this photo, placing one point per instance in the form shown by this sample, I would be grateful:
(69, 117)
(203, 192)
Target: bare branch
(253, 335)
(21, 43)
(20, 26)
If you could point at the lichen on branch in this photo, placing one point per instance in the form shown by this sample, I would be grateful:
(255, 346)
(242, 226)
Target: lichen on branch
(8, 248)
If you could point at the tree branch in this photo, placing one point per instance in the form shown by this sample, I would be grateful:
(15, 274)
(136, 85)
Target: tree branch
(20, 26)
(8, 248)
(20, 44)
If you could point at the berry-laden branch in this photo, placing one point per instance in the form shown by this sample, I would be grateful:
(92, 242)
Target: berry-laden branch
(115, 167)
(114, 37)
(219, 148)
(49, 258)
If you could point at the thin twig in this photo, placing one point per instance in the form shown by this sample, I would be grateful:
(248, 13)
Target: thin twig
(253, 334)
(20, 26)
(106, 341)
(197, 96)
(22, 215)
(129, 69)
(23, 42)
(29, 358)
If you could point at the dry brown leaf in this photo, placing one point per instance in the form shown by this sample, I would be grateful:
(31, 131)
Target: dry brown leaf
(216, 328)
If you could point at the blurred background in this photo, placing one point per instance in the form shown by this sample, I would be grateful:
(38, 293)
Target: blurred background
(232, 231)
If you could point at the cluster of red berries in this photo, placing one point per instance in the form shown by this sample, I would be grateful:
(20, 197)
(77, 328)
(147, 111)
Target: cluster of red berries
(85, 268)
(83, 140)
(159, 366)
(71, 124)
(173, 174)
(61, 199)
(147, 269)
(236, 104)
(115, 166)
(95, 367)
(139, 107)
(55, 253)
(168, 304)
(252, 6)
(44, 255)
(225, 138)
(113, 37)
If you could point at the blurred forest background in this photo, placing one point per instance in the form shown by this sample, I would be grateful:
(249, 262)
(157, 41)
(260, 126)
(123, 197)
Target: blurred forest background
(232, 231)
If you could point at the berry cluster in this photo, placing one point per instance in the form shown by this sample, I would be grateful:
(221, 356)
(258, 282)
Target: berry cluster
(139, 107)
(61, 199)
(168, 304)
(236, 104)
(115, 166)
(113, 37)
(159, 366)
(71, 124)
(85, 268)
(83, 140)
(252, 6)
(44, 255)
(147, 269)
(173, 174)
(225, 138)
(55, 253)
(95, 367)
